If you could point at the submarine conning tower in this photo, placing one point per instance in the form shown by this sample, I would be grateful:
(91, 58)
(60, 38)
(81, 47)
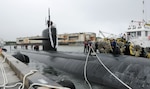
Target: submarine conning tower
(50, 44)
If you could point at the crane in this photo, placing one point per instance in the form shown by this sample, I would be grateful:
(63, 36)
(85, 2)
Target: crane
(110, 34)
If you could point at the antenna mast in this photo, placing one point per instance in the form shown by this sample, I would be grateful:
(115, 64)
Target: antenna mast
(143, 11)
(48, 22)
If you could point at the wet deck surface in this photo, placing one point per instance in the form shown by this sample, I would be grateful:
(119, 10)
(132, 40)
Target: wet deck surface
(10, 75)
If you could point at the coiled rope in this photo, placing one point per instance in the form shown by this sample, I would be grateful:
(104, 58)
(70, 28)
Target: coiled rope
(5, 77)
(22, 85)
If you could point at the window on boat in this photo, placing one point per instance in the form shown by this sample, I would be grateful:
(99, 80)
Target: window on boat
(146, 33)
(133, 34)
(138, 33)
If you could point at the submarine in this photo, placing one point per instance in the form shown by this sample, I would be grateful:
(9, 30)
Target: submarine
(117, 72)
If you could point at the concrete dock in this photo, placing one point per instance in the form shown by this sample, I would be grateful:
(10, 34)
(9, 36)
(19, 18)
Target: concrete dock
(12, 79)
(15, 74)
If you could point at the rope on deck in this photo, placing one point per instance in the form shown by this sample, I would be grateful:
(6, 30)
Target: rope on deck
(22, 85)
(85, 75)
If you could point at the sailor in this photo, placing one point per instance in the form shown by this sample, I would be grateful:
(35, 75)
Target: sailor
(48, 23)
(127, 50)
(96, 46)
(115, 48)
(113, 45)
(15, 47)
(124, 36)
(89, 46)
(26, 46)
(143, 53)
(131, 47)
(36, 47)
(85, 46)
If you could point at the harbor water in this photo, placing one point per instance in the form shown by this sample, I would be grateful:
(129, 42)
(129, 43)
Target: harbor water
(55, 74)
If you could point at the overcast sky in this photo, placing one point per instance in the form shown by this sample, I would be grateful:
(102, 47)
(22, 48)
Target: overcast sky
(22, 18)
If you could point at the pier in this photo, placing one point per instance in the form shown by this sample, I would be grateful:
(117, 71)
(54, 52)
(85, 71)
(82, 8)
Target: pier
(15, 74)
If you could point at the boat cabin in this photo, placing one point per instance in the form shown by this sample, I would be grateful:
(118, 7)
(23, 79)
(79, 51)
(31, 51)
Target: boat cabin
(139, 33)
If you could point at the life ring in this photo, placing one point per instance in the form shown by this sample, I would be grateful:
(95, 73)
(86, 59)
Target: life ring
(148, 37)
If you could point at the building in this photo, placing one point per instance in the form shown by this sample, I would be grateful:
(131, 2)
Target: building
(63, 39)
(27, 41)
(75, 38)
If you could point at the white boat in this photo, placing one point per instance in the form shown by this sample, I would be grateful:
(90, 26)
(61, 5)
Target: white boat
(138, 33)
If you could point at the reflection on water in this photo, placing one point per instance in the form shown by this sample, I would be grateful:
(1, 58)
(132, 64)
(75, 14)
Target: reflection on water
(55, 74)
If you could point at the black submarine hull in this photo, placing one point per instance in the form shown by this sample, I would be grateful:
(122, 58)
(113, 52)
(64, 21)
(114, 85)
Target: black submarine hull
(134, 71)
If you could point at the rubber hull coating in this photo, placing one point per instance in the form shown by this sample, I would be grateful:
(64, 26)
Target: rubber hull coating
(134, 71)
